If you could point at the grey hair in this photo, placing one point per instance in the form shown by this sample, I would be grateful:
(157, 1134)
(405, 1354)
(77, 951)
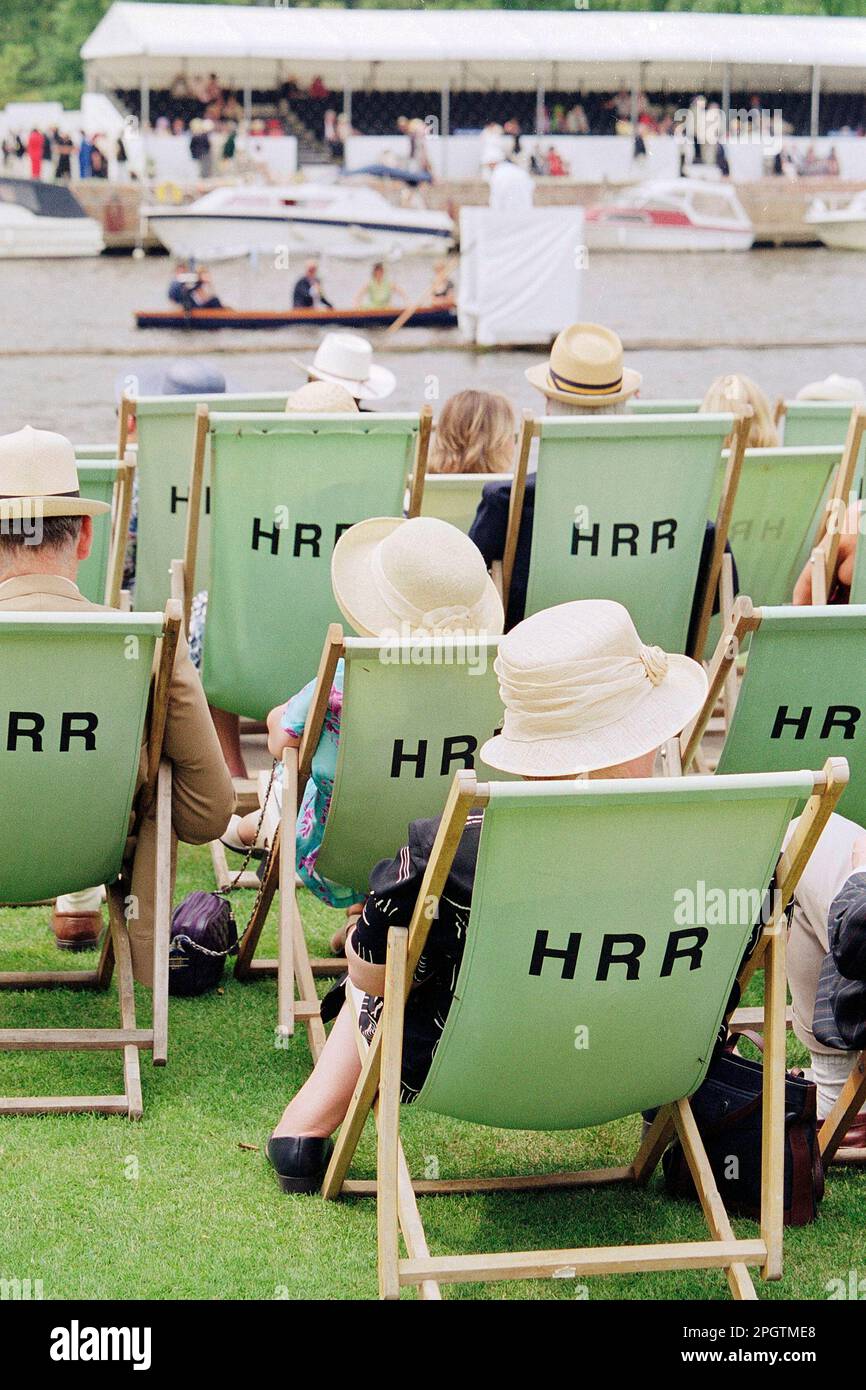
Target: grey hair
(41, 532)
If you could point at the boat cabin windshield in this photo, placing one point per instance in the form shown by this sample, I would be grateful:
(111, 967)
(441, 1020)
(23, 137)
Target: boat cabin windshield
(43, 199)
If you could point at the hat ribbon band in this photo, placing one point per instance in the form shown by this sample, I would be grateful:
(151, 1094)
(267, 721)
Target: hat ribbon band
(433, 619)
(597, 693)
(20, 496)
(584, 388)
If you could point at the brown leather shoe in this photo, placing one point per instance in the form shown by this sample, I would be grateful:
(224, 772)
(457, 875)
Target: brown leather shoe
(853, 1146)
(76, 931)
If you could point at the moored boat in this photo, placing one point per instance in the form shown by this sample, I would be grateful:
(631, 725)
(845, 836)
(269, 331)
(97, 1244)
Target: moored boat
(670, 215)
(842, 227)
(43, 220)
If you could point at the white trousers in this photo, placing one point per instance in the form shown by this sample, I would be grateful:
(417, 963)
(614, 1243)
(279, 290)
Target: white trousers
(822, 879)
(86, 900)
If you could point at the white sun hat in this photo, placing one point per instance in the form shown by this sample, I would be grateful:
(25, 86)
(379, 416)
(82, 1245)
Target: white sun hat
(395, 575)
(585, 368)
(347, 360)
(833, 388)
(38, 476)
(320, 398)
(582, 692)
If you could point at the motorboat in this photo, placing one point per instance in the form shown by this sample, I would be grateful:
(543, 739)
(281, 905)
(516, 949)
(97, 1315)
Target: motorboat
(670, 215)
(44, 220)
(422, 316)
(332, 219)
(842, 227)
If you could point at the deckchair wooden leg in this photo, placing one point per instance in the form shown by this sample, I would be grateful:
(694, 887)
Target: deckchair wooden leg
(223, 874)
(308, 998)
(773, 1120)
(851, 1098)
(653, 1145)
(288, 898)
(131, 1062)
(105, 968)
(162, 915)
(388, 1114)
(739, 1279)
(250, 939)
(352, 1127)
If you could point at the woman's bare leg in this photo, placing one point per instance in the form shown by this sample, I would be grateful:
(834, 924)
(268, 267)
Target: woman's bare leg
(228, 728)
(321, 1104)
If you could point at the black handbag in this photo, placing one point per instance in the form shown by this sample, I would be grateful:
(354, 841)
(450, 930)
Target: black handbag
(727, 1111)
(203, 933)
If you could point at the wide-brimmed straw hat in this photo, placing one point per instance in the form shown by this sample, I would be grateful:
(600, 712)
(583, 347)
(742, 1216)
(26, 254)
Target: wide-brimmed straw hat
(833, 388)
(38, 476)
(582, 692)
(320, 398)
(390, 574)
(585, 368)
(347, 360)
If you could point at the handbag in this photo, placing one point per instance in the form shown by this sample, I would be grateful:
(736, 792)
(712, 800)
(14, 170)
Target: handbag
(727, 1109)
(204, 931)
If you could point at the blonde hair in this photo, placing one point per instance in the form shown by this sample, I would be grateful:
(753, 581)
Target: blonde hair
(474, 434)
(738, 394)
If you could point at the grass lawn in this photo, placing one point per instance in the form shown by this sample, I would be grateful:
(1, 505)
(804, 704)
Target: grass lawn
(175, 1207)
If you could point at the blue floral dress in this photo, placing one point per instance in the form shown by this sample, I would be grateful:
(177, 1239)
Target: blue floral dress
(317, 794)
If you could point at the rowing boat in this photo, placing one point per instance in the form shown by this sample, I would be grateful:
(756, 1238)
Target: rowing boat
(428, 316)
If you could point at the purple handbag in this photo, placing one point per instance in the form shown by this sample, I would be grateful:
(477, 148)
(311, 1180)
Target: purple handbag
(203, 933)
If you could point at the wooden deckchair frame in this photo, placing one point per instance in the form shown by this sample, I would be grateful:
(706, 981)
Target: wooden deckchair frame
(128, 1038)
(531, 429)
(378, 1087)
(121, 513)
(824, 555)
(293, 966)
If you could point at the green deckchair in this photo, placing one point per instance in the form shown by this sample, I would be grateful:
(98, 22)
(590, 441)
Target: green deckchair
(101, 574)
(801, 698)
(75, 690)
(283, 489)
(621, 508)
(412, 713)
(814, 422)
(552, 1012)
(672, 406)
(165, 433)
(454, 497)
(96, 451)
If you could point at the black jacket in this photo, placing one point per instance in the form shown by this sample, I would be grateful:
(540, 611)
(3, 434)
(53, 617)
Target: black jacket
(840, 1001)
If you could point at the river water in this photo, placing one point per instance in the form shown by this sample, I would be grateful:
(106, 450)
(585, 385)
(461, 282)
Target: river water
(785, 317)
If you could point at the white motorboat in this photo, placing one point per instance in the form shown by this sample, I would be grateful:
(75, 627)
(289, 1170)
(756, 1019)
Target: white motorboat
(670, 215)
(44, 220)
(316, 217)
(842, 227)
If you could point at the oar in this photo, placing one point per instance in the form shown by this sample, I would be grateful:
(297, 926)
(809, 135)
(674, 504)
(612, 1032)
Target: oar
(411, 309)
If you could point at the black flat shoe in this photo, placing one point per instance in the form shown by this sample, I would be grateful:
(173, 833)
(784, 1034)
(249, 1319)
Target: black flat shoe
(300, 1164)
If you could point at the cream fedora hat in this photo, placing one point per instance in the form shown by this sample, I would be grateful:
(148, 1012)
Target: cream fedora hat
(321, 398)
(347, 360)
(581, 692)
(38, 476)
(585, 368)
(392, 575)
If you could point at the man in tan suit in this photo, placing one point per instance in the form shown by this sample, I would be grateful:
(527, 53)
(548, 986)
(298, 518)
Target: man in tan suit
(46, 531)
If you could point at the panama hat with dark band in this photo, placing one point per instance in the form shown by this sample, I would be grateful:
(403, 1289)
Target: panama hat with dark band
(38, 476)
(585, 368)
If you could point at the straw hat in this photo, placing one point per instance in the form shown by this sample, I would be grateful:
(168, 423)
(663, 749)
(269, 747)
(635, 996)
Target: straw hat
(585, 368)
(347, 360)
(320, 398)
(38, 475)
(582, 692)
(833, 388)
(389, 574)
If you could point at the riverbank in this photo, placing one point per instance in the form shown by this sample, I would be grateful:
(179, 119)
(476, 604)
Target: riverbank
(776, 205)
